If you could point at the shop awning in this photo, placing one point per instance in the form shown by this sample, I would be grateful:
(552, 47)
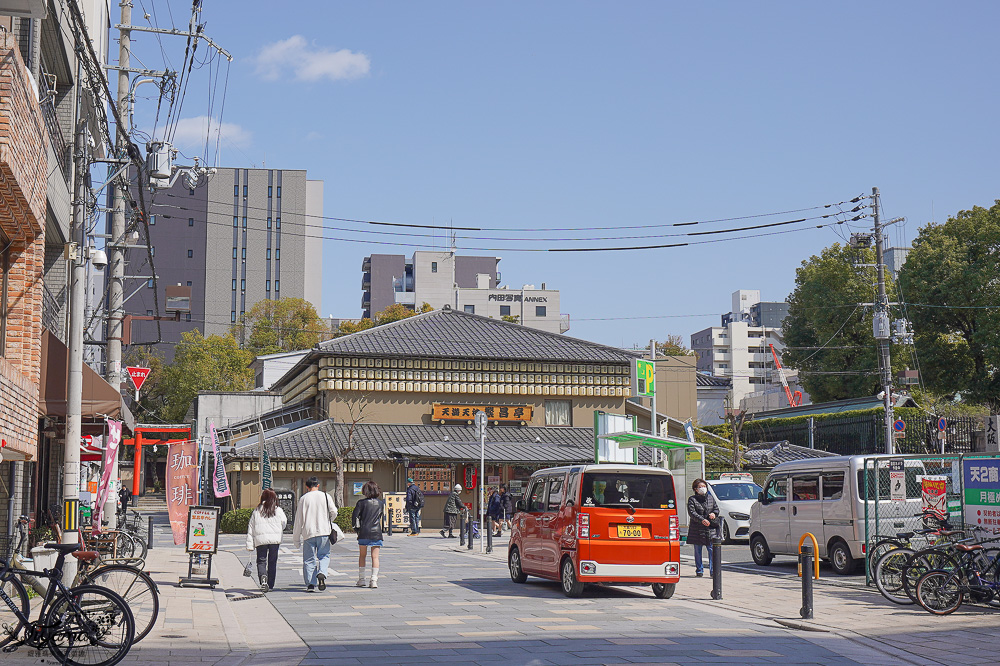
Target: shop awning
(632, 439)
(99, 397)
(514, 453)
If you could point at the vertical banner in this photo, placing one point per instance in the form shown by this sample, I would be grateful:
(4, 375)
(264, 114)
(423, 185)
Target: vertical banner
(219, 481)
(182, 485)
(934, 495)
(108, 466)
(265, 470)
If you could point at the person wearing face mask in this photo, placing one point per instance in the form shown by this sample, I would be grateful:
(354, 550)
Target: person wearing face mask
(704, 526)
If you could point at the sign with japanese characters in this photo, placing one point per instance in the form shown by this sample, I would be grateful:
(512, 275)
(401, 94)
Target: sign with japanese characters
(203, 529)
(934, 495)
(897, 480)
(220, 483)
(992, 426)
(182, 485)
(981, 482)
(505, 413)
(643, 378)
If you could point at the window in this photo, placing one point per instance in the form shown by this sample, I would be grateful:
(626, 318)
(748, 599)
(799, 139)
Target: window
(268, 253)
(233, 319)
(504, 310)
(152, 220)
(187, 316)
(913, 486)
(189, 283)
(4, 288)
(267, 285)
(277, 285)
(277, 254)
(243, 285)
(190, 254)
(555, 493)
(236, 220)
(470, 309)
(149, 313)
(149, 283)
(236, 190)
(558, 412)
(269, 188)
(539, 310)
(537, 496)
(833, 486)
(277, 222)
(279, 191)
(152, 250)
(268, 223)
(434, 267)
(805, 488)
(234, 284)
(191, 192)
(625, 489)
(234, 253)
(244, 190)
(776, 489)
(244, 221)
(243, 252)
(190, 221)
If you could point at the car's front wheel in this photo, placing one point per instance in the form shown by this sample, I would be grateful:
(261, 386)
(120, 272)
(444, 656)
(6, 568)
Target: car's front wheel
(761, 553)
(726, 537)
(514, 564)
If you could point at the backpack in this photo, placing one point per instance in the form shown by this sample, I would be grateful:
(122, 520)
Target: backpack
(418, 497)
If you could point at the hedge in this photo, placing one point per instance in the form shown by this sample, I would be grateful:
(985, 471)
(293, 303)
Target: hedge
(235, 522)
(344, 518)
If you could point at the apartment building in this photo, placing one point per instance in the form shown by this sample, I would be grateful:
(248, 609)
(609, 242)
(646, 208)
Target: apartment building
(468, 284)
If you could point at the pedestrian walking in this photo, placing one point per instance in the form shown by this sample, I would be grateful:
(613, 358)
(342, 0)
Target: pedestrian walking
(313, 523)
(507, 505)
(494, 511)
(367, 518)
(414, 503)
(264, 532)
(452, 507)
(704, 525)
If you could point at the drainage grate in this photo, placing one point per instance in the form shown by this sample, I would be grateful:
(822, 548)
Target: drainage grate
(248, 596)
(172, 636)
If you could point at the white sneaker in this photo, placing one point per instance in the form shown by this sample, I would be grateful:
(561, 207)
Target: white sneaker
(374, 583)
(360, 583)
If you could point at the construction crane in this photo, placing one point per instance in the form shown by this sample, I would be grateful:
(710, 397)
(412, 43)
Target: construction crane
(794, 399)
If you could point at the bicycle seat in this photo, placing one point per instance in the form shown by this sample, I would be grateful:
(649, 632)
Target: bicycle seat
(63, 547)
(86, 555)
(968, 548)
(904, 535)
(950, 532)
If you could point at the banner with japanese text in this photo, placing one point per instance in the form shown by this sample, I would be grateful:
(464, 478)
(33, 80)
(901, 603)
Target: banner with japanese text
(934, 495)
(182, 485)
(981, 483)
(220, 483)
(108, 466)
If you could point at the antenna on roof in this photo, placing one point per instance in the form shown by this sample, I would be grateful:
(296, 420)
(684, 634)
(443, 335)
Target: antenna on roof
(454, 246)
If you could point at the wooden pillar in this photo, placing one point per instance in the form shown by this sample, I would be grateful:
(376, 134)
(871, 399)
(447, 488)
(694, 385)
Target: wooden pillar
(137, 468)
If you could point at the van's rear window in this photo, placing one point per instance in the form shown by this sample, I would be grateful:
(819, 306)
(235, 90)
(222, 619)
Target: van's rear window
(621, 489)
(913, 486)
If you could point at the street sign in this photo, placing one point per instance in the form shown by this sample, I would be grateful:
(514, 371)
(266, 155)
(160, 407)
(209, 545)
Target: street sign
(138, 376)
(899, 425)
(942, 424)
(897, 480)
(643, 378)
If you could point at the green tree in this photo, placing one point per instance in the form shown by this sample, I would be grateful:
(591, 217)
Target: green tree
(215, 363)
(673, 346)
(828, 336)
(283, 324)
(951, 278)
(394, 312)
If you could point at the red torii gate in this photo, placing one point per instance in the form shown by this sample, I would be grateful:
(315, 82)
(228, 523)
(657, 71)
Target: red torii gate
(138, 442)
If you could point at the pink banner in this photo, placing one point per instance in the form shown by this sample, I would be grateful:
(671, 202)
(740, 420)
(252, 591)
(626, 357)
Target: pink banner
(219, 481)
(110, 456)
(182, 485)
(934, 495)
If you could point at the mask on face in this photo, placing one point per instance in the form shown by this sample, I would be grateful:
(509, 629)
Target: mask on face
(702, 490)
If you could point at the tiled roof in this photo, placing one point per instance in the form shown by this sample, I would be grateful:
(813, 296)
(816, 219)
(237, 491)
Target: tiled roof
(770, 454)
(379, 442)
(453, 334)
(710, 380)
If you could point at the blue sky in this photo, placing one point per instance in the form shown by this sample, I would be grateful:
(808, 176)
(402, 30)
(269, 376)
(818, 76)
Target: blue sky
(523, 115)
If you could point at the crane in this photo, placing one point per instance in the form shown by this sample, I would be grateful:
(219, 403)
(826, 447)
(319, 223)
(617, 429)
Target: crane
(794, 399)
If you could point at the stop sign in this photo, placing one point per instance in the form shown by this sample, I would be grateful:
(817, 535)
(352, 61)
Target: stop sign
(138, 376)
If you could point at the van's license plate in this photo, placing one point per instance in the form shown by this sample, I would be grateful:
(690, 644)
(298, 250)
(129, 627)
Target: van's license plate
(629, 531)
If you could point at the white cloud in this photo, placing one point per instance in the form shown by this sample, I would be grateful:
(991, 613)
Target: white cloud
(309, 63)
(192, 132)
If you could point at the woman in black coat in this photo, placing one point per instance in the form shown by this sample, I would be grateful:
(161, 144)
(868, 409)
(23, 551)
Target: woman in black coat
(704, 526)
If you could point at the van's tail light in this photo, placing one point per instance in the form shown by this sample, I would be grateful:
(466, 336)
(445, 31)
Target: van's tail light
(583, 525)
(675, 531)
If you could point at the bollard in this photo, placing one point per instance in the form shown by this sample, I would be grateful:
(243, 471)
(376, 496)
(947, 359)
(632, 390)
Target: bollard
(461, 529)
(149, 533)
(468, 542)
(716, 568)
(489, 539)
(806, 559)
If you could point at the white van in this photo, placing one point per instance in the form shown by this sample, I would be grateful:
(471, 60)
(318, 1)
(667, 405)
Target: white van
(823, 496)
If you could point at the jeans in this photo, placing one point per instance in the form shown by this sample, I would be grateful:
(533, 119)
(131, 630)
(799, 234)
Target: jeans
(315, 558)
(267, 563)
(414, 520)
(698, 561)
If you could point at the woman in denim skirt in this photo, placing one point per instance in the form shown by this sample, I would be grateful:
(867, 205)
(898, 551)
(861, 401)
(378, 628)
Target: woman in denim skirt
(367, 520)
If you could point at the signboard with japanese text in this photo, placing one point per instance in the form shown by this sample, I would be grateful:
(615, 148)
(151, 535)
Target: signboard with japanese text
(992, 438)
(643, 379)
(502, 413)
(934, 495)
(203, 530)
(432, 480)
(395, 505)
(897, 481)
(981, 482)
(182, 485)
(138, 376)
(220, 482)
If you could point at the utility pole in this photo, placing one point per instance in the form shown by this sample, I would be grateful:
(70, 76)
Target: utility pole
(653, 452)
(880, 324)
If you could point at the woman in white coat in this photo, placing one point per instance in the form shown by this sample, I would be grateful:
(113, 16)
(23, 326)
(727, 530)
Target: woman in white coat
(267, 524)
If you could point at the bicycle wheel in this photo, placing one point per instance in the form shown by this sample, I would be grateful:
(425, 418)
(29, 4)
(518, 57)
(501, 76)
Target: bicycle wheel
(124, 545)
(91, 626)
(922, 562)
(940, 592)
(136, 588)
(889, 575)
(10, 623)
(880, 548)
(140, 549)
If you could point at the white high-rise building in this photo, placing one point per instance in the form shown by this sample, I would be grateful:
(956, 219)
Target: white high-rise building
(740, 349)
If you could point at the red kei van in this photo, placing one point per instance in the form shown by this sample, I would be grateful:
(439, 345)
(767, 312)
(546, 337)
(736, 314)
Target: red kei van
(612, 524)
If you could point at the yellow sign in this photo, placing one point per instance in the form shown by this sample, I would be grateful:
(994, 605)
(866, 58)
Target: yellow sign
(506, 413)
(395, 506)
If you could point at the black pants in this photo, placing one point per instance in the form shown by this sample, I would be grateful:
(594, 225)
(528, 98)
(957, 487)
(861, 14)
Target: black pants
(267, 563)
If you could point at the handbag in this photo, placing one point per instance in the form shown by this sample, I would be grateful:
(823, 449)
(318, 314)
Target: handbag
(335, 532)
(248, 568)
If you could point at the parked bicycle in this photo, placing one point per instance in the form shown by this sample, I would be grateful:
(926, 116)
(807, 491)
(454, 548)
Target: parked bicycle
(976, 577)
(937, 527)
(85, 625)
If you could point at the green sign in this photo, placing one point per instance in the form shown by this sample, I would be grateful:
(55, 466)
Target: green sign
(643, 379)
(265, 470)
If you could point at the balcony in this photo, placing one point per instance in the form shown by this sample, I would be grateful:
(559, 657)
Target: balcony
(366, 281)
(405, 297)
(366, 264)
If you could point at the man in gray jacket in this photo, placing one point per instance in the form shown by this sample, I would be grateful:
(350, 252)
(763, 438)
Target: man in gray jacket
(452, 508)
(313, 523)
